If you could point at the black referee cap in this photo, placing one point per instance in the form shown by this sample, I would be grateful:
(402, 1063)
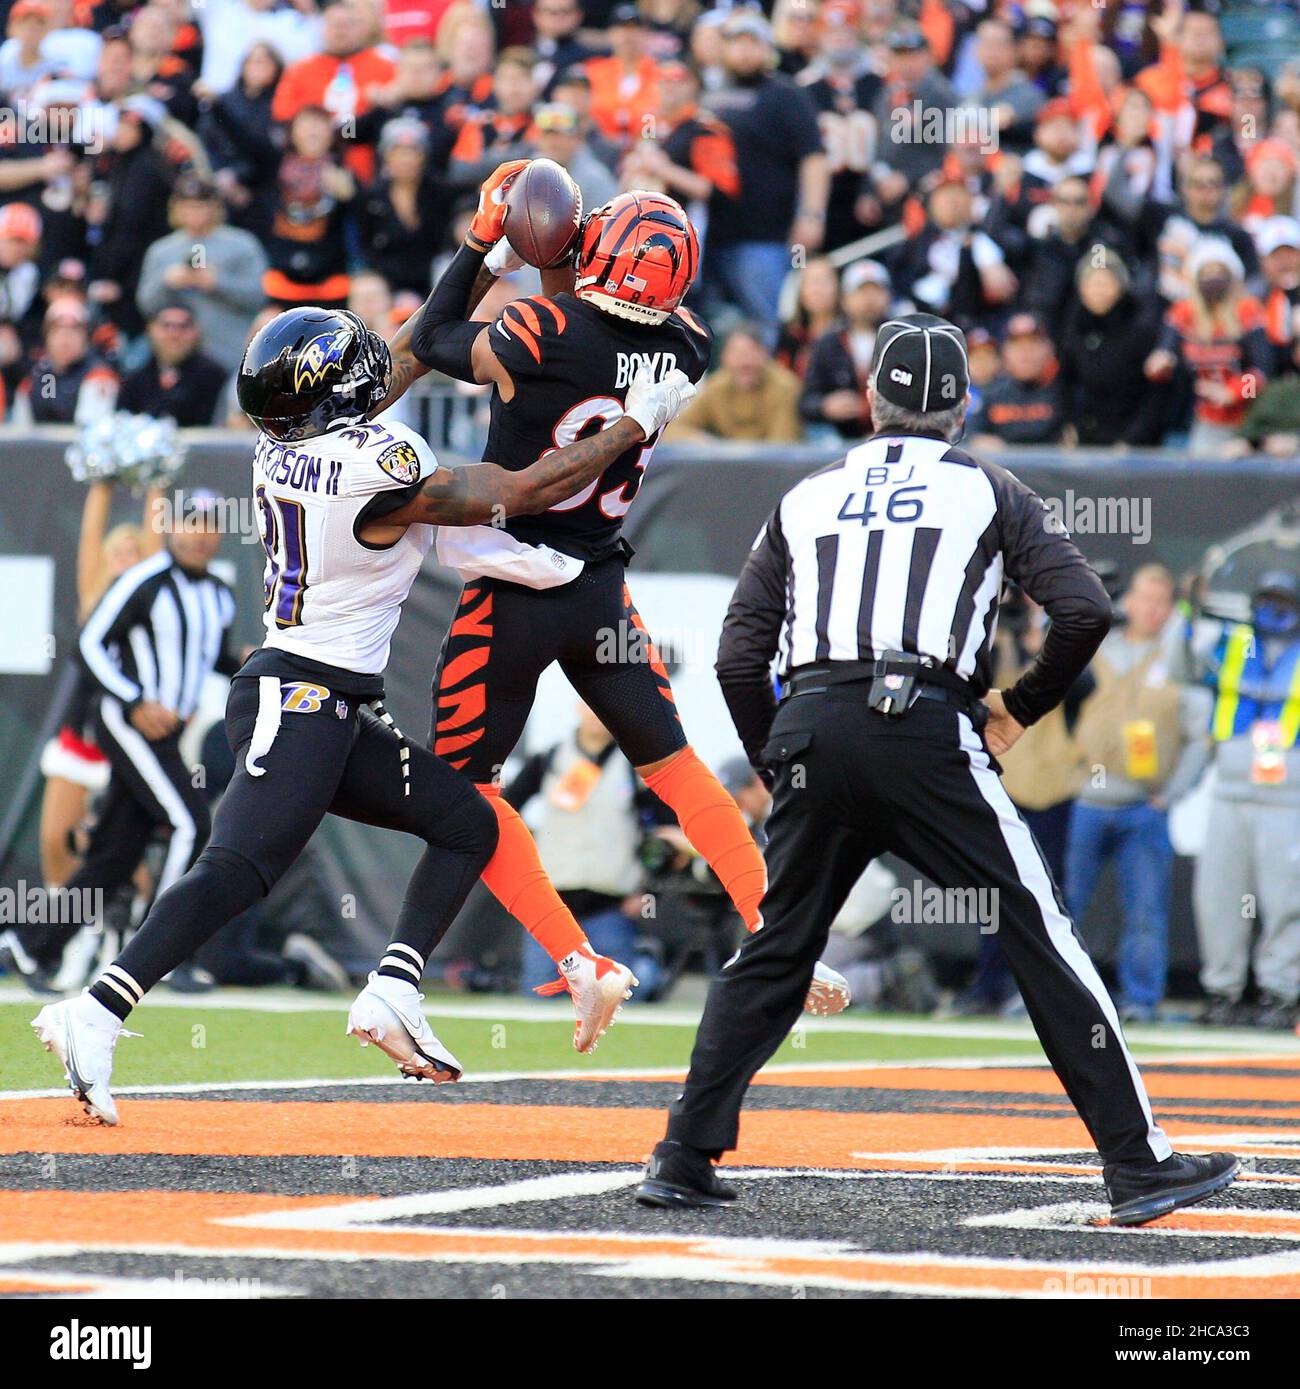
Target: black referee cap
(920, 363)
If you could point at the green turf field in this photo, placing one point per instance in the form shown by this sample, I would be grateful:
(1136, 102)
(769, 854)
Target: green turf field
(190, 1043)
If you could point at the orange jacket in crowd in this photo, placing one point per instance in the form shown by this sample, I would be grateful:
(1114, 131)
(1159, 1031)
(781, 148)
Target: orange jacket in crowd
(307, 83)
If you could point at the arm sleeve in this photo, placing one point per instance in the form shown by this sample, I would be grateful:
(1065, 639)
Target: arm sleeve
(442, 338)
(1039, 555)
(750, 634)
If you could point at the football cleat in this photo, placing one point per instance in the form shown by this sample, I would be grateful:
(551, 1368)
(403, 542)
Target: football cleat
(82, 1033)
(598, 987)
(387, 1012)
(828, 993)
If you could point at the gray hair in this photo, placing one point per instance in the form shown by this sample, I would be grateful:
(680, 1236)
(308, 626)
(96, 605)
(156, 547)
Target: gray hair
(890, 418)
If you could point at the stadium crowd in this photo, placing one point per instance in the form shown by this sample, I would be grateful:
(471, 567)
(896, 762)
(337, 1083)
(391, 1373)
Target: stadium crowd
(1099, 194)
(1102, 195)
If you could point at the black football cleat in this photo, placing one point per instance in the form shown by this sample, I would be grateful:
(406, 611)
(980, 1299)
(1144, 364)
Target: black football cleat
(680, 1177)
(1140, 1192)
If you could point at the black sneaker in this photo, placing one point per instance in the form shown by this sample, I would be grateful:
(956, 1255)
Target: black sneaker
(680, 1176)
(1222, 1010)
(1145, 1191)
(1275, 1013)
(15, 960)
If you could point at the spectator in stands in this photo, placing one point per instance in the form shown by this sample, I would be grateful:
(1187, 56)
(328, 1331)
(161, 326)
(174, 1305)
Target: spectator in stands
(1026, 403)
(985, 360)
(844, 88)
(912, 82)
(690, 153)
(20, 287)
(228, 412)
(951, 267)
(1271, 168)
(1142, 729)
(1187, 84)
(156, 68)
(1027, 212)
(1201, 215)
(402, 216)
(1047, 280)
(237, 132)
(69, 383)
(415, 93)
(307, 247)
(816, 311)
(178, 380)
(623, 95)
(749, 398)
(1107, 333)
(131, 214)
(1215, 337)
(232, 28)
(555, 136)
(1036, 53)
(72, 48)
(1134, 174)
(466, 48)
(835, 383)
(23, 61)
(572, 88)
(707, 48)
(214, 270)
(1007, 91)
(1278, 244)
(337, 80)
(784, 177)
(499, 130)
(1272, 423)
(556, 45)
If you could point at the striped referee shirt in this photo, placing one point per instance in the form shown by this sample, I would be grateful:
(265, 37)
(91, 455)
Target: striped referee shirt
(903, 545)
(158, 633)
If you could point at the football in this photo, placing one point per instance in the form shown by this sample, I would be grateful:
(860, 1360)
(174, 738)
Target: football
(544, 209)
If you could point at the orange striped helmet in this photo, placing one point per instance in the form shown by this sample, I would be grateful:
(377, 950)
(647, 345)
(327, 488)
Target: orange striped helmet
(637, 256)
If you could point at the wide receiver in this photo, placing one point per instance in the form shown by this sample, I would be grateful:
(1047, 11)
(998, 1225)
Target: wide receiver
(345, 509)
(550, 587)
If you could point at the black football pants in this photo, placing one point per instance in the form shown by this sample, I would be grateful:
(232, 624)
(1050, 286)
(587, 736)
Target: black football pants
(852, 784)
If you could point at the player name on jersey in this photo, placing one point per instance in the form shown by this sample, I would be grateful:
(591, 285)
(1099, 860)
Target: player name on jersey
(658, 364)
(286, 465)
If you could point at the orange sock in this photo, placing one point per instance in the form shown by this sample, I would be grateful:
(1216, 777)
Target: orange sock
(516, 878)
(712, 821)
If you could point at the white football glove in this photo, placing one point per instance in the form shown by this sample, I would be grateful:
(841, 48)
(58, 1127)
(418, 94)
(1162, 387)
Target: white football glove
(828, 993)
(653, 404)
(503, 259)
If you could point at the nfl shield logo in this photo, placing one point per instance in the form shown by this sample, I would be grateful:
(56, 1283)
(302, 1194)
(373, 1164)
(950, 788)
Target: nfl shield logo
(341, 708)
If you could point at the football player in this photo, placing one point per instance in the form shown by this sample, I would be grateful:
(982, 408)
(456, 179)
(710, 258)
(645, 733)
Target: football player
(345, 509)
(550, 586)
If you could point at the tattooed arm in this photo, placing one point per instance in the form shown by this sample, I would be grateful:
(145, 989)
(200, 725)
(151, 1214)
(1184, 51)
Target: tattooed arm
(486, 492)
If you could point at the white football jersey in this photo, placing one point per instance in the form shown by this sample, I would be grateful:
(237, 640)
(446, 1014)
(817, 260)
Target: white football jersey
(329, 596)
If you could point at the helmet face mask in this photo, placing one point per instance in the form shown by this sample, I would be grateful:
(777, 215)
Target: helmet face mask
(636, 257)
(310, 371)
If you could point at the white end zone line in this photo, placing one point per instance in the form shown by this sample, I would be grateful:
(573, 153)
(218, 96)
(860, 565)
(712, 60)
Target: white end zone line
(650, 1073)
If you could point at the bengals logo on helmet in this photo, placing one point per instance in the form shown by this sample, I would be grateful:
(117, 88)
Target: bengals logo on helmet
(637, 257)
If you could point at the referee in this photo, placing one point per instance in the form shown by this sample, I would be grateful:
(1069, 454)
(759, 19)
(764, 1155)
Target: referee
(148, 646)
(874, 586)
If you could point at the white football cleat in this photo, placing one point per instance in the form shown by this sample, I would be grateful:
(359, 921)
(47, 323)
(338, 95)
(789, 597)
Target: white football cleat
(598, 987)
(387, 1013)
(82, 1033)
(828, 993)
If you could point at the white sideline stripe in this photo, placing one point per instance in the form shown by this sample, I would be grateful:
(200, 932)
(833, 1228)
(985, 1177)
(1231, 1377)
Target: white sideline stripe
(68, 1286)
(205, 1087)
(1226, 1040)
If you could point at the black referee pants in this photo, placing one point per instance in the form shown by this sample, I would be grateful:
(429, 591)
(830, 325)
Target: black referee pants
(150, 789)
(851, 785)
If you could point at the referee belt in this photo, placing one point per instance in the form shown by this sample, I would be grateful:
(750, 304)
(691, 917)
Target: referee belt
(932, 682)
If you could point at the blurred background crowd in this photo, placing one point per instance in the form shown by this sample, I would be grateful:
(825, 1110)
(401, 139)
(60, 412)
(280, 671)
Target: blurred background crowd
(1103, 195)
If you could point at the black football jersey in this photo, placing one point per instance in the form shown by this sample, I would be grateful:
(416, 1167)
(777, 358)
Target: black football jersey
(571, 364)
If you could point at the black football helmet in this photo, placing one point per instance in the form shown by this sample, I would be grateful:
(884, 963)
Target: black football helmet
(312, 370)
